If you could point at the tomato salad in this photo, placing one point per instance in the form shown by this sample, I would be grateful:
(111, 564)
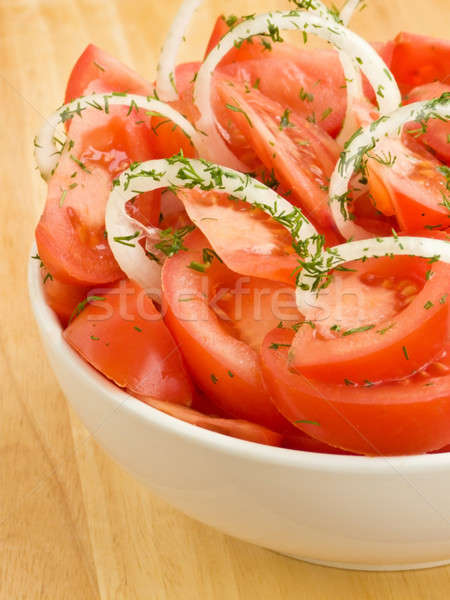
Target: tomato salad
(258, 243)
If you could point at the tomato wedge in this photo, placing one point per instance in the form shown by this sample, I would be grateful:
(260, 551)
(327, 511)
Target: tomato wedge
(167, 139)
(301, 155)
(71, 232)
(62, 297)
(407, 417)
(237, 428)
(122, 334)
(312, 85)
(381, 349)
(409, 184)
(248, 240)
(419, 59)
(219, 320)
(96, 65)
(437, 133)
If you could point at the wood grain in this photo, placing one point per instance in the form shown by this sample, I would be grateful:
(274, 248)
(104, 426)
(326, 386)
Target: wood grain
(72, 523)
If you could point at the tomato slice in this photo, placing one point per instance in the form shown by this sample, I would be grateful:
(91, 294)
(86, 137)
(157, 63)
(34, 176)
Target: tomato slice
(301, 155)
(236, 428)
(392, 418)
(248, 240)
(437, 134)
(378, 347)
(62, 297)
(219, 320)
(409, 184)
(96, 65)
(167, 139)
(71, 232)
(312, 85)
(124, 337)
(419, 59)
(405, 180)
(219, 30)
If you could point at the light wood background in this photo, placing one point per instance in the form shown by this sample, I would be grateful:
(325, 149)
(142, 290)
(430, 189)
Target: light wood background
(72, 523)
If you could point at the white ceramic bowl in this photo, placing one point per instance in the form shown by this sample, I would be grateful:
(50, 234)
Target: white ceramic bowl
(345, 511)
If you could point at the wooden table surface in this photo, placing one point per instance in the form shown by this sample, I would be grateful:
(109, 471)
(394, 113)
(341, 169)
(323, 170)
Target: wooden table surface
(73, 524)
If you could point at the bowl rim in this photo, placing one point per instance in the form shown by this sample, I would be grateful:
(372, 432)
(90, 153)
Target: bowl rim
(49, 325)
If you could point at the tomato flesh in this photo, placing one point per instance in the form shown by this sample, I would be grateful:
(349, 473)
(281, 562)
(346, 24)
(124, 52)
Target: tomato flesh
(383, 348)
(198, 313)
(249, 241)
(419, 59)
(124, 337)
(301, 155)
(408, 417)
(437, 134)
(71, 235)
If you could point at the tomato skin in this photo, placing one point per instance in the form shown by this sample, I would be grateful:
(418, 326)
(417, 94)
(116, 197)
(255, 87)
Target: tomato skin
(165, 139)
(411, 339)
(236, 428)
(389, 419)
(124, 337)
(96, 65)
(224, 367)
(437, 132)
(62, 297)
(419, 59)
(219, 30)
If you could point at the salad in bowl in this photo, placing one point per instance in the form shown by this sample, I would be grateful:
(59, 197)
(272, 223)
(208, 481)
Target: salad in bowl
(258, 243)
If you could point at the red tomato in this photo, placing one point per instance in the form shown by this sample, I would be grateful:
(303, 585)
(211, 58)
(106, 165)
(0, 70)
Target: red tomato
(312, 83)
(391, 336)
(419, 59)
(219, 321)
(407, 417)
(96, 65)
(71, 233)
(437, 134)
(124, 337)
(249, 241)
(62, 297)
(405, 180)
(412, 188)
(219, 30)
(301, 155)
(442, 450)
(236, 428)
(167, 139)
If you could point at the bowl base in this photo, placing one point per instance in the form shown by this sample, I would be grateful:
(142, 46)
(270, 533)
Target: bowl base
(369, 567)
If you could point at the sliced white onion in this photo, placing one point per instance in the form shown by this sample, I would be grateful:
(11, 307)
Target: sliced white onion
(312, 274)
(165, 79)
(179, 172)
(47, 153)
(363, 141)
(348, 9)
(361, 53)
